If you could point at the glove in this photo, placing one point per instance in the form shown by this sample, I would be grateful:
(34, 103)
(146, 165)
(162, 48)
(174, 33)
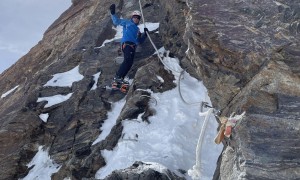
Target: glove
(146, 31)
(112, 9)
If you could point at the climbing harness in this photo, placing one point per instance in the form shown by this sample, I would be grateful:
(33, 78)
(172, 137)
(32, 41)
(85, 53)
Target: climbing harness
(128, 44)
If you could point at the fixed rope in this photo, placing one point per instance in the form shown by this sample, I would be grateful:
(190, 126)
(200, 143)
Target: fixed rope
(161, 60)
(180, 93)
(197, 169)
(148, 33)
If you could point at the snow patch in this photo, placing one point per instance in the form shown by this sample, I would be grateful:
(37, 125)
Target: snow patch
(110, 121)
(160, 79)
(171, 137)
(65, 79)
(119, 32)
(8, 92)
(56, 99)
(44, 117)
(96, 77)
(160, 51)
(281, 4)
(150, 26)
(43, 166)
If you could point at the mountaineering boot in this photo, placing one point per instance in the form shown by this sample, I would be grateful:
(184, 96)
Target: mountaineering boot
(116, 83)
(120, 84)
(124, 86)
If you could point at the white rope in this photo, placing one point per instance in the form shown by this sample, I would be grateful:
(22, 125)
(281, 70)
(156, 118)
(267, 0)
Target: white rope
(196, 171)
(142, 14)
(180, 93)
(161, 60)
(148, 33)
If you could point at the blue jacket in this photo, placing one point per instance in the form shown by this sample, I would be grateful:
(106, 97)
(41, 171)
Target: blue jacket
(131, 31)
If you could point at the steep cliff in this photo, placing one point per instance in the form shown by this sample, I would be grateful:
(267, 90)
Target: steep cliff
(246, 53)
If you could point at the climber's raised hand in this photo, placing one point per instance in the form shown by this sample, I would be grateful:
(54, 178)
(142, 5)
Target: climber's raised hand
(112, 9)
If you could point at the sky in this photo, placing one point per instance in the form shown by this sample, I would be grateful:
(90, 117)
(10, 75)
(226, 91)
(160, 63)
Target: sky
(179, 136)
(23, 23)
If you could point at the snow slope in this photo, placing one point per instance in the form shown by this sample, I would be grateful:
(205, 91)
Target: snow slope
(171, 137)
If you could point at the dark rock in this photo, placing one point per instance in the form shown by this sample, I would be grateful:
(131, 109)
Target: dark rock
(246, 53)
(140, 170)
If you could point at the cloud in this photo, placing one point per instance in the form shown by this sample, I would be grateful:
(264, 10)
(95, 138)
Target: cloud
(23, 24)
(13, 48)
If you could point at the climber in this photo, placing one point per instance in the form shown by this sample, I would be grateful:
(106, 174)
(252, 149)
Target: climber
(131, 38)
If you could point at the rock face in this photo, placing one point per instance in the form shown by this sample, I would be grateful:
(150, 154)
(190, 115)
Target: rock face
(246, 53)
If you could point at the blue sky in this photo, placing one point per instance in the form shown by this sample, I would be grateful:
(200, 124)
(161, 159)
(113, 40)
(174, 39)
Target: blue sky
(23, 24)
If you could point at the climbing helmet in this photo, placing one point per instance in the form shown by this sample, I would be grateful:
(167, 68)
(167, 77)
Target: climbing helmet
(136, 13)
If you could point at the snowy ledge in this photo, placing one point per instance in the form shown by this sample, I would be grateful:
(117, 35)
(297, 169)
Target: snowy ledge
(53, 100)
(65, 79)
(43, 166)
(8, 92)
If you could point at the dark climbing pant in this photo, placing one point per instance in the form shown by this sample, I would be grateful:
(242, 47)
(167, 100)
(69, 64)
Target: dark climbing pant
(129, 51)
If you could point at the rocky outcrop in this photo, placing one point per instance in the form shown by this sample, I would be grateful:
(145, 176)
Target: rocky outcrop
(57, 52)
(140, 170)
(246, 53)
